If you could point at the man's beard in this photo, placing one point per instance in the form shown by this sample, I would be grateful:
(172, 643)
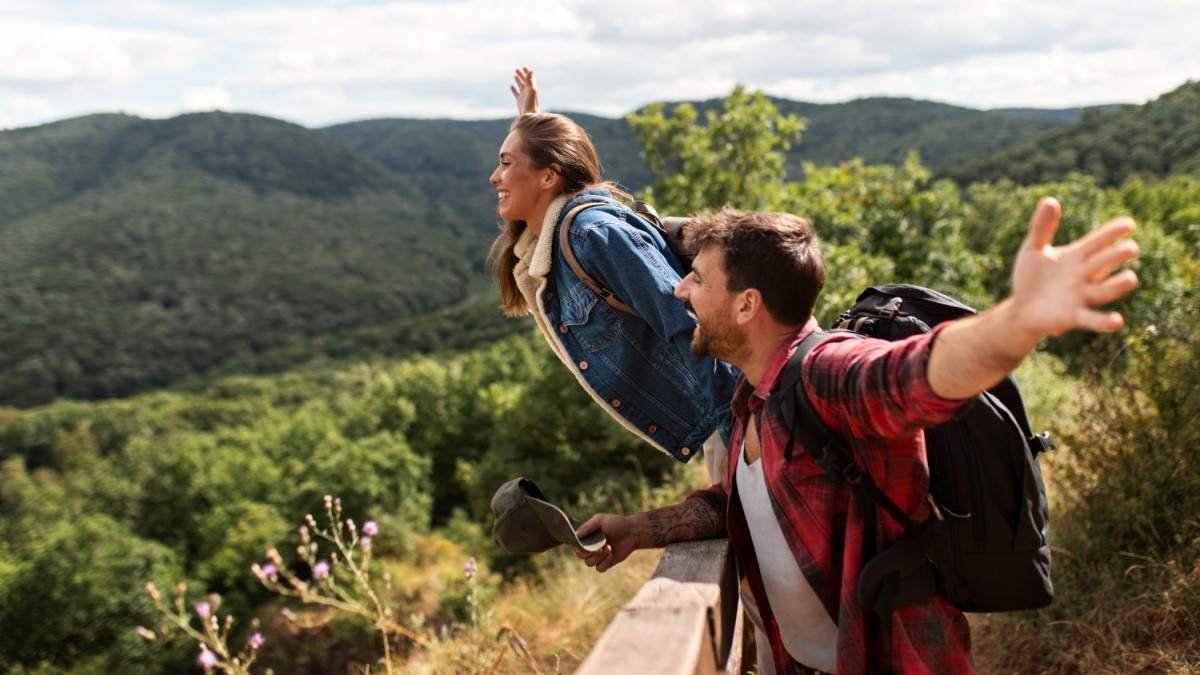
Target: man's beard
(718, 339)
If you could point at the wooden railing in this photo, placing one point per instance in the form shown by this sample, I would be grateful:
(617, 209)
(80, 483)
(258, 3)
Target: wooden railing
(687, 619)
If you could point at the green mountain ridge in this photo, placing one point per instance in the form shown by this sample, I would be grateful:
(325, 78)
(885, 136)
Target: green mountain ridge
(1156, 139)
(140, 252)
(880, 130)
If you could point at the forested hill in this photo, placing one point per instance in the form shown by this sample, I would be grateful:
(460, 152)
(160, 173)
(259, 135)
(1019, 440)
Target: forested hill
(1156, 139)
(438, 153)
(138, 253)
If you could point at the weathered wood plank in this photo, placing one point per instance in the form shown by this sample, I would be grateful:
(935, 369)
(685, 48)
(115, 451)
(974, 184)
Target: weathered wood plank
(680, 623)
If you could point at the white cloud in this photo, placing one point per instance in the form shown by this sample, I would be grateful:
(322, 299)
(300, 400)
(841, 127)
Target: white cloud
(47, 55)
(334, 61)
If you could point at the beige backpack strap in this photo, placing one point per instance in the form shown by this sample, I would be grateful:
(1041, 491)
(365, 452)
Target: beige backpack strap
(568, 253)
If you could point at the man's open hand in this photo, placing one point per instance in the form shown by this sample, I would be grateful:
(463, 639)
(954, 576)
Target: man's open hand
(1056, 288)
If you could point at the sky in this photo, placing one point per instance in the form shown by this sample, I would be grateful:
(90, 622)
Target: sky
(326, 61)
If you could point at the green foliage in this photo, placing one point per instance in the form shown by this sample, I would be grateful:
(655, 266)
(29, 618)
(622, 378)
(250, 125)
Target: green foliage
(736, 157)
(205, 481)
(895, 214)
(76, 591)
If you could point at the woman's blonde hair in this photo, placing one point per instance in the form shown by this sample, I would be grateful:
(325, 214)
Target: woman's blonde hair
(549, 140)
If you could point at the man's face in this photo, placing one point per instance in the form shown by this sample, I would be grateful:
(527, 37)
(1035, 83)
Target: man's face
(706, 294)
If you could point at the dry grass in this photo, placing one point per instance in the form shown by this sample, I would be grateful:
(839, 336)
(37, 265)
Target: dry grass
(563, 616)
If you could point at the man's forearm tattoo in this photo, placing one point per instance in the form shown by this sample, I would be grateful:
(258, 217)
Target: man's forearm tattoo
(693, 519)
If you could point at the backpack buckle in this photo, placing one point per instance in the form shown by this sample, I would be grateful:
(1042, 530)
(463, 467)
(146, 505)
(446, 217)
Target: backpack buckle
(891, 309)
(1044, 442)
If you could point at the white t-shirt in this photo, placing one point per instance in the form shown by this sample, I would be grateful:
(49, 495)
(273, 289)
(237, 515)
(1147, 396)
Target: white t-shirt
(808, 633)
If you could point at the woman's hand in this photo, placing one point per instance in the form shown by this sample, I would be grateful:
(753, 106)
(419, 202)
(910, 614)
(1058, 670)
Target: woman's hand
(524, 90)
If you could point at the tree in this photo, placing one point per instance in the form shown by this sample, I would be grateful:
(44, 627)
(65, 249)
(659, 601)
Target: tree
(737, 157)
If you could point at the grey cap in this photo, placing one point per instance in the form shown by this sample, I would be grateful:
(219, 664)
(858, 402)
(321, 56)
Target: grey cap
(527, 523)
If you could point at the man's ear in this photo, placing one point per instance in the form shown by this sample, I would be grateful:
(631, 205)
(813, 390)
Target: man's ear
(747, 305)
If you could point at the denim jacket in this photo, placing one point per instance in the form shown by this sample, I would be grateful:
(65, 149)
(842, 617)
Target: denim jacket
(639, 367)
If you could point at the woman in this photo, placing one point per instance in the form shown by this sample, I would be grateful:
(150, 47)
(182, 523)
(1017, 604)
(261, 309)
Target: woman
(637, 364)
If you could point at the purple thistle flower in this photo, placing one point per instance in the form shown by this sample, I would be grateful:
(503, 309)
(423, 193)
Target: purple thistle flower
(469, 568)
(256, 641)
(203, 610)
(320, 570)
(370, 528)
(206, 659)
(269, 571)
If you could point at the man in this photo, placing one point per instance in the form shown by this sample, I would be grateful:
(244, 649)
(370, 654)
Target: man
(795, 531)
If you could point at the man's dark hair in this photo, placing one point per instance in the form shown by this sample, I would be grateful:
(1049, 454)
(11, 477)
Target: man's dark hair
(776, 253)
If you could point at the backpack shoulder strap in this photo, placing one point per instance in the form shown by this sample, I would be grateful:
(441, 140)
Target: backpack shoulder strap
(564, 243)
(672, 229)
(828, 450)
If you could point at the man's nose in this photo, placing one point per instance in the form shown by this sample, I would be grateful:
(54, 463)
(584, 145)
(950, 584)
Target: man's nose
(679, 290)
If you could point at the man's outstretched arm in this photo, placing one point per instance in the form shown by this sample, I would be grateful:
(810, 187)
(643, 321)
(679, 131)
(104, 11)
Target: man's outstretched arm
(1054, 290)
(690, 520)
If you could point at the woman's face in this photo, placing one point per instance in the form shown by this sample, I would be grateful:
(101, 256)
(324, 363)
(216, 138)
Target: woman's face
(521, 188)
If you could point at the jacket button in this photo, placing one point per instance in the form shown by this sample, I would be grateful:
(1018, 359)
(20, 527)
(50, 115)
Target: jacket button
(616, 403)
(653, 429)
(686, 451)
(583, 365)
(549, 295)
(563, 329)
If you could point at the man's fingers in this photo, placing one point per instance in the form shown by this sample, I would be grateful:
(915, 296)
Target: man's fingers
(607, 562)
(1111, 289)
(1100, 322)
(1102, 236)
(591, 525)
(1102, 264)
(597, 558)
(1044, 223)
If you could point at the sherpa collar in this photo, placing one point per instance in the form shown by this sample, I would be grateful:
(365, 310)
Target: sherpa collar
(543, 248)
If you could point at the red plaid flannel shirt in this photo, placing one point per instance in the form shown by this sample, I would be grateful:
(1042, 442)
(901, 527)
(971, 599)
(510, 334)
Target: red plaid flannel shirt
(876, 396)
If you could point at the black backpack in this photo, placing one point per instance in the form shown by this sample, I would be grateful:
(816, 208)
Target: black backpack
(986, 546)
